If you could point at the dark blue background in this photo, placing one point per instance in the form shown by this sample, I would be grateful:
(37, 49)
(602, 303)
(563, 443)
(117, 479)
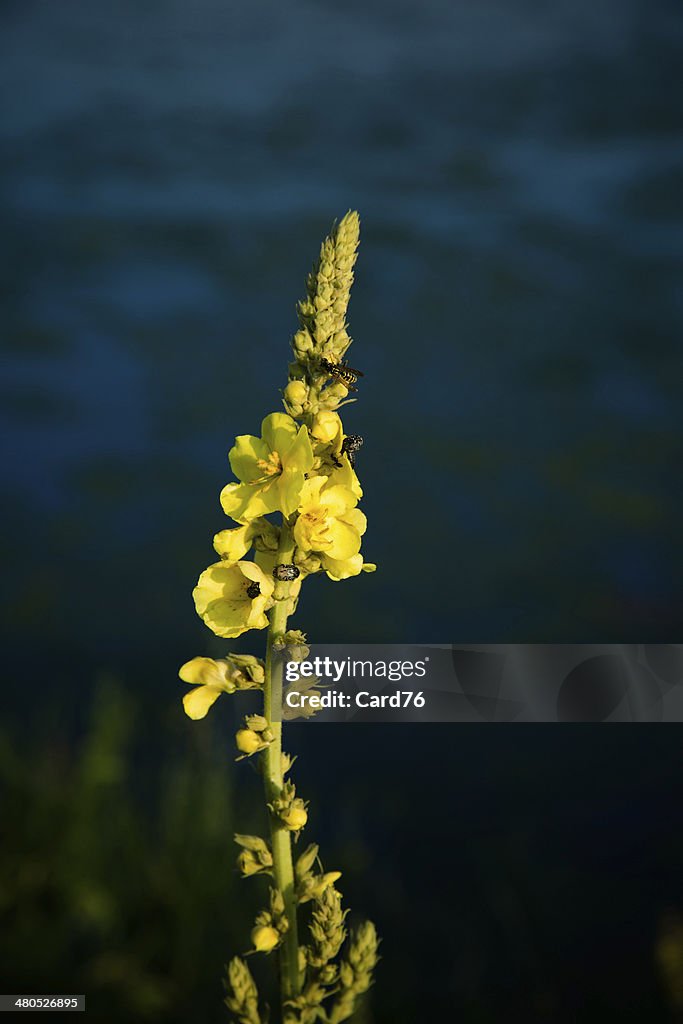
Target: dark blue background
(169, 170)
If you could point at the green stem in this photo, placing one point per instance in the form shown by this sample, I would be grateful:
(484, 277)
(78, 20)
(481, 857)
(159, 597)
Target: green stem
(283, 870)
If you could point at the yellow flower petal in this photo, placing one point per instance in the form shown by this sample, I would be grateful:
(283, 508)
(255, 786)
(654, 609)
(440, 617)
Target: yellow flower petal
(223, 601)
(345, 540)
(206, 672)
(198, 701)
(342, 570)
(232, 545)
(279, 430)
(357, 519)
(338, 499)
(245, 457)
(245, 502)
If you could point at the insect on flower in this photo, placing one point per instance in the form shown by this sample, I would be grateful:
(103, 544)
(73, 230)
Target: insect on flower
(352, 444)
(285, 572)
(342, 372)
(253, 590)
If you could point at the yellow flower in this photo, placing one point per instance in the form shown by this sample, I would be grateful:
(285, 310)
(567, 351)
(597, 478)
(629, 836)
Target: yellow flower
(210, 679)
(271, 469)
(233, 597)
(329, 523)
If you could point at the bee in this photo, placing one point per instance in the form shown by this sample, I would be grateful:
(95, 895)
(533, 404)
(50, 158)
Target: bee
(342, 372)
(253, 590)
(352, 444)
(286, 572)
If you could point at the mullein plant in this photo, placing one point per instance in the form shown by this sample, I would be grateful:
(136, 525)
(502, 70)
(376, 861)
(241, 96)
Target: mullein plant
(295, 504)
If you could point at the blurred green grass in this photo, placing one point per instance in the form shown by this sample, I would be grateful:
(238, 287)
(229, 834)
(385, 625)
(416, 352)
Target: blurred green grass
(115, 884)
(117, 870)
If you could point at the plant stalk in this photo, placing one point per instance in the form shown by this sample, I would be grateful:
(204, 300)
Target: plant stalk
(283, 870)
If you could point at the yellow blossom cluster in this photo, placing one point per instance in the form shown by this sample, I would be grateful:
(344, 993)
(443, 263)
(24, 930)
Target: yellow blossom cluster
(299, 472)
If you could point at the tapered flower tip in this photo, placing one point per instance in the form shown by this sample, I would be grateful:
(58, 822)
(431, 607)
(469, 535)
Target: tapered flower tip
(264, 938)
(233, 597)
(349, 227)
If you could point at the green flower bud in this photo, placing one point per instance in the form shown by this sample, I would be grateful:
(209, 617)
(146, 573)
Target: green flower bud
(248, 672)
(333, 395)
(295, 818)
(264, 938)
(248, 741)
(296, 392)
(328, 974)
(306, 861)
(249, 863)
(326, 426)
(313, 886)
(294, 643)
(256, 722)
(307, 563)
(302, 343)
(242, 997)
(254, 843)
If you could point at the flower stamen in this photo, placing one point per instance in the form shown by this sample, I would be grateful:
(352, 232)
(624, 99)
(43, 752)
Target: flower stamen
(271, 466)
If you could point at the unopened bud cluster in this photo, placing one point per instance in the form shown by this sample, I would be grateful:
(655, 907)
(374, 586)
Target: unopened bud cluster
(255, 736)
(289, 809)
(309, 885)
(255, 857)
(242, 995)
(323, 332)
(270, 925)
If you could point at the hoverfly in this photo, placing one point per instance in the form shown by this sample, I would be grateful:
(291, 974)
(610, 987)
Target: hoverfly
(342, 372)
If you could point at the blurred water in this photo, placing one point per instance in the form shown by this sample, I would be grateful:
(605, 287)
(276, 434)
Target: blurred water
(169, 171)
